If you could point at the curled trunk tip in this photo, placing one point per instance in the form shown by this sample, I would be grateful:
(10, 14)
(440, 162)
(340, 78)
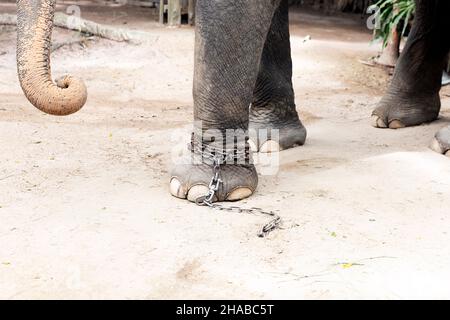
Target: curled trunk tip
(34, 30)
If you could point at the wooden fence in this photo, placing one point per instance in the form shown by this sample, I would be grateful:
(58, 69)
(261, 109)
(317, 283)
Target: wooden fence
(174, 9)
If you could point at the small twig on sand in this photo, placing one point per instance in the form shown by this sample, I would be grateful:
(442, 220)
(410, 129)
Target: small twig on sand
(4, 178)
(59, 45)
(297, 277)
(373, 62)
(359, 262)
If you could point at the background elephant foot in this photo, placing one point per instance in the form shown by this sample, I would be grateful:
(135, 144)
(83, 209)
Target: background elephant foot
(397, 111)
(441, 142)
(291, 132)
(191, 182)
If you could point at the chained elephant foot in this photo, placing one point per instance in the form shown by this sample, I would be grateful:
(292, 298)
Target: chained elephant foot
(290, 132)
(396, 112)
(441, 142)
(192, 181)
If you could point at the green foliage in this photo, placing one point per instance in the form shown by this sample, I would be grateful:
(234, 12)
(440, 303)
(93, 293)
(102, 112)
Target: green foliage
(394, 14)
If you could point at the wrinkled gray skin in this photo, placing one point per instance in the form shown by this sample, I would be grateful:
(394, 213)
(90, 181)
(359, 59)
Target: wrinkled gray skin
(243, 58)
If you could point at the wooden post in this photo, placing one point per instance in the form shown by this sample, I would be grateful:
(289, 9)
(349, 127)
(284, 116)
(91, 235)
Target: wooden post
(191, 12)
(161, 11)
(174, 13)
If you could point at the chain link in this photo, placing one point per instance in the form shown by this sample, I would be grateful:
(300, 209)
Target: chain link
(214, 186)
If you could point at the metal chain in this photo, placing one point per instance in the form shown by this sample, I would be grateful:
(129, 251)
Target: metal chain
(214, 186)
(217, 155)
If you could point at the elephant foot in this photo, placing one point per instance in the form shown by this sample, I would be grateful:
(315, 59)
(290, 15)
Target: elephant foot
(396, 112)
(191, 182)
(290, 131)
(441, 142)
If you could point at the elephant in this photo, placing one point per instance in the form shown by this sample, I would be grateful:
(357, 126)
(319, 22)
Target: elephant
(243, 84)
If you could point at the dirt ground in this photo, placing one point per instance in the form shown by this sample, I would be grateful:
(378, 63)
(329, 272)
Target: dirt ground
(86, 213)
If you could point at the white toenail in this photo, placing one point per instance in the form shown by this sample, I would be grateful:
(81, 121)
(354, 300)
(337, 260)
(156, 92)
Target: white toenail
(269, 147)
(176, 189)
(374, 121)
(378, 122)
(196, 192)
(239, 194)
(253, 147)
(396, 124)
(436, 146)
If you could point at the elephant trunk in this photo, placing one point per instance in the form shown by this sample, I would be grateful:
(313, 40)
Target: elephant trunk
(34, 30)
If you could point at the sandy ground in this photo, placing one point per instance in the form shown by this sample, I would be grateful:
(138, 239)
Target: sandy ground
(84, 206)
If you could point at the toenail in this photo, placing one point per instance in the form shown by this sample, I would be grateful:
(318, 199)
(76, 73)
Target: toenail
(253, 146)
(176, 189)
(436, 146)
(396, 124)
(269, 147)
(377, 122)
(239, 194)
(196, 192)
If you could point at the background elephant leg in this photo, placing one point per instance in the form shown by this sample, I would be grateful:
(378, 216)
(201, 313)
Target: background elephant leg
(230, 36)
(413, 96)
(273, 105)
(441, 142)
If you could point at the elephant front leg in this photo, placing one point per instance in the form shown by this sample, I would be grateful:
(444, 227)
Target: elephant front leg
(413, 96)
(273, 105)
(230, 36)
